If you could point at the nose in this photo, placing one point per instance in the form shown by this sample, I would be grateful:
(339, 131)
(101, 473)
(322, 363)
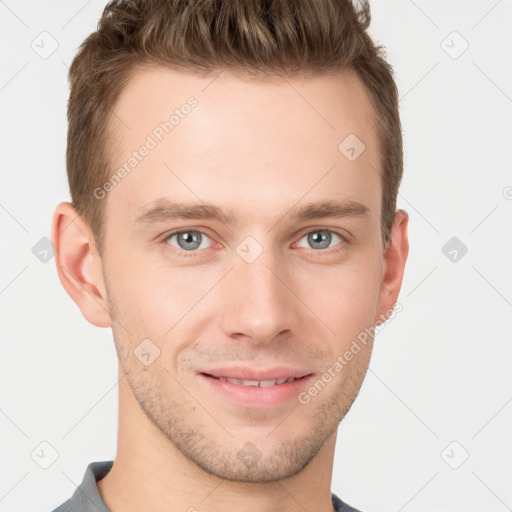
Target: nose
(258, 300)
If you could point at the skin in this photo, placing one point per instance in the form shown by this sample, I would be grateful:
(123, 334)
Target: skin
(258, 148)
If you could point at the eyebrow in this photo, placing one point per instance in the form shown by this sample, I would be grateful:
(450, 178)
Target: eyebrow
(164, 209)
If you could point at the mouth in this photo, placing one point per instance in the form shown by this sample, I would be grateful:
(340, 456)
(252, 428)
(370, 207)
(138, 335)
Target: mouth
(254, 392)
(256, 383)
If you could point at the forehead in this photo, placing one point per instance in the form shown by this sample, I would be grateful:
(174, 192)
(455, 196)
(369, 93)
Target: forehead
(309, 106)
(243, 142)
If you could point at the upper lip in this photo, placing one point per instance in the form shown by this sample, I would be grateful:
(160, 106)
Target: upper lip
(241, 373)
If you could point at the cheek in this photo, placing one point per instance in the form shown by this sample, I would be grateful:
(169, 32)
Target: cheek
(153, 296)
(345, 296)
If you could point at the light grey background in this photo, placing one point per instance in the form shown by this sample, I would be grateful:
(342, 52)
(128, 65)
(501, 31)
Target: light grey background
(439, 386)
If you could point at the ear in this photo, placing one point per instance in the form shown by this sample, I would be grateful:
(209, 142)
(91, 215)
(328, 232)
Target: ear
(395, 256)
(79, 265)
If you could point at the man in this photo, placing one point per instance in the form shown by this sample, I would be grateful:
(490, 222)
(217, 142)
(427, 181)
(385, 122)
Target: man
(234, 167)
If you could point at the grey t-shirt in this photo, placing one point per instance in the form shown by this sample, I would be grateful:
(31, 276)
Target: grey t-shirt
(87, 498)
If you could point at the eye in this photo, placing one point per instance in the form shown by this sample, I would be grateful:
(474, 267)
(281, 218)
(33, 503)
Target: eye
(321, 239)
(188, 240)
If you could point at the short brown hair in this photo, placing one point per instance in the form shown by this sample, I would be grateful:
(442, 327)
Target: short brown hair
(264, 37)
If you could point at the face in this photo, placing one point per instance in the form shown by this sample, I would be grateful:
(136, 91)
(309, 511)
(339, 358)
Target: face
(243, 244)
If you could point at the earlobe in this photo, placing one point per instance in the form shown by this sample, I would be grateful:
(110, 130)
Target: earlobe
(395, 257)
(79, 265)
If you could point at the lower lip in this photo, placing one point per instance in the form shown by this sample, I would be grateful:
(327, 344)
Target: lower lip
(254, 396)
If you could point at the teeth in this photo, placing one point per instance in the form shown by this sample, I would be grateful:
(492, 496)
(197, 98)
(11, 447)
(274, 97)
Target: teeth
(266, 383)
(257, 383)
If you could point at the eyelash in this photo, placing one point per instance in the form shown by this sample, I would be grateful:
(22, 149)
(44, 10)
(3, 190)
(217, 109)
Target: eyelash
(192, 253)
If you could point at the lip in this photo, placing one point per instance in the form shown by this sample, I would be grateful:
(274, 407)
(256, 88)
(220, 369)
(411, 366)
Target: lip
(255, 396)
(241, 373)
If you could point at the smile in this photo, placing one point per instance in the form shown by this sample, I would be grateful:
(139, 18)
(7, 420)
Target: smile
(257, 383)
